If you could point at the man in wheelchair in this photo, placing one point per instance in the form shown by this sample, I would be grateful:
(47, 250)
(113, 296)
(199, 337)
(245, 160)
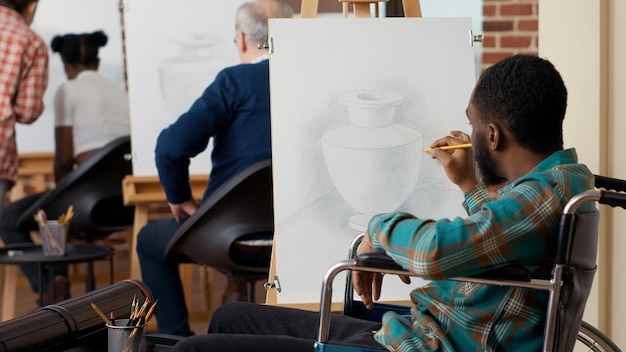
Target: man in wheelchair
(526, 177)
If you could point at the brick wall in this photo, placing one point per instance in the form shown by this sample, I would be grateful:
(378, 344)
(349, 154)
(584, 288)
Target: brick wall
(509, 27)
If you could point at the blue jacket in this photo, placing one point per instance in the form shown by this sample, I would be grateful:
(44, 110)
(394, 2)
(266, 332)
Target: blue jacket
(235, 111)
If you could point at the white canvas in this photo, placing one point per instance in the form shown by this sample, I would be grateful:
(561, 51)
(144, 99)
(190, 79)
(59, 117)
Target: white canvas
(174, 51)
(331, 176)
(77, 16)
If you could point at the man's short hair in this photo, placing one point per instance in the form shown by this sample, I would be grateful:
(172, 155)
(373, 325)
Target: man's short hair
(252, 17)
(526, 95)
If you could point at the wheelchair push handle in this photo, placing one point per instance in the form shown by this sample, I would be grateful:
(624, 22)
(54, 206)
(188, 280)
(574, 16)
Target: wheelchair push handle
(610, 183)
(614, 199)
(611, 191)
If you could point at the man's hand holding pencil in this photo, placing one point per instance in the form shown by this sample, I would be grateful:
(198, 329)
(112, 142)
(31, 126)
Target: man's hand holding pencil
(456, 156)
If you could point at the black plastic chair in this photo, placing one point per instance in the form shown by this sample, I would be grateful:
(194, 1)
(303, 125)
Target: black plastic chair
(94, 189)
(236, 219)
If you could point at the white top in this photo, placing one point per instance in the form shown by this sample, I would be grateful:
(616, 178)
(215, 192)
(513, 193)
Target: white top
(95, 108)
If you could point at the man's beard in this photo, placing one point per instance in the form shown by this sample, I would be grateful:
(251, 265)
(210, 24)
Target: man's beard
(485, 164)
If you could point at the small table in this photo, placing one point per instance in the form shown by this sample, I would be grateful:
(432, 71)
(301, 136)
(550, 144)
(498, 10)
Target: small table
(74, 253)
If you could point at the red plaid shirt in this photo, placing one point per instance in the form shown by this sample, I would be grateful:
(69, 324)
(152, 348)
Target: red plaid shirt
(23, 81)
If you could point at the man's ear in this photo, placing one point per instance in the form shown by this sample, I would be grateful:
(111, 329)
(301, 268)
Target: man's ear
(241, 42)
(494, 136)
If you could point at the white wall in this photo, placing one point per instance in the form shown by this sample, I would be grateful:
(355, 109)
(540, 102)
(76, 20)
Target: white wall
(586, 40)
(616, 285)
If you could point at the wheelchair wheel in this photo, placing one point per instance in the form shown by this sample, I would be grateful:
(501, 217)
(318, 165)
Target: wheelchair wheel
(591, 339)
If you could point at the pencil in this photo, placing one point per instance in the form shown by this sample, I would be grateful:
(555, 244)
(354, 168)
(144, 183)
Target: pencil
(40, 217)
(104, 317)
(449, 147)
(150, 311)
(132, 306)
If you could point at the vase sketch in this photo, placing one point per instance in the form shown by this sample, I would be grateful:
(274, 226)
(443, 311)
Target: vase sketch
(373, 162)
(184, 77)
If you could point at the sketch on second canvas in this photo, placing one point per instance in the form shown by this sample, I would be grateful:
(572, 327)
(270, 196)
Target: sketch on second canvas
(173, 54)
(354, 104)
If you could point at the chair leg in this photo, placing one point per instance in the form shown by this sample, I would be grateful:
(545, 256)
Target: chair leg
(236, 288)
(250, 290)
(90, 282)
(207, 286)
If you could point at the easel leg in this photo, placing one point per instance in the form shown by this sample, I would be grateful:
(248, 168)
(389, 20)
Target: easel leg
(8, 292)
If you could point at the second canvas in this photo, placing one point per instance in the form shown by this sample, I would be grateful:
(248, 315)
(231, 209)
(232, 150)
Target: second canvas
(354, 104)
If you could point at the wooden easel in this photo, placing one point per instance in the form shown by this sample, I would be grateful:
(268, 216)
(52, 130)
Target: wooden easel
(308, 9)
(361, 8)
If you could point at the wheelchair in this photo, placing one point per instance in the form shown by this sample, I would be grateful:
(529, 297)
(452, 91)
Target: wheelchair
(575, 257)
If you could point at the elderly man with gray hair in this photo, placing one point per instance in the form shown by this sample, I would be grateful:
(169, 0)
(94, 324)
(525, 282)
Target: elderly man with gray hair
(234, 110)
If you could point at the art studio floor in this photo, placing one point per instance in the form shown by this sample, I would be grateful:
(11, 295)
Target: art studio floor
(204, 299)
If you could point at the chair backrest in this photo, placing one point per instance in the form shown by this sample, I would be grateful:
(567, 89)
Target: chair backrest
(94, 189)
(242, 206)
(578, 278)
(581, 258)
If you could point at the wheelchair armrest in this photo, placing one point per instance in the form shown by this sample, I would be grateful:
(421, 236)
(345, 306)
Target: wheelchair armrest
(377, 259)
(380, 259)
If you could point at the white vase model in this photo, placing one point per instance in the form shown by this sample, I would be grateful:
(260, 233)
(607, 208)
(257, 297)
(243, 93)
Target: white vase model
(373, 162)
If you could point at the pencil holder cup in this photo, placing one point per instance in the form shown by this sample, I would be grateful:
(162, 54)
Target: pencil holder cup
(54, 238)
(124, 338)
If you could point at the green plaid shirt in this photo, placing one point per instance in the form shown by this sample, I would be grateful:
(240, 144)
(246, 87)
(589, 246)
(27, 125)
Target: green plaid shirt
(520, 226)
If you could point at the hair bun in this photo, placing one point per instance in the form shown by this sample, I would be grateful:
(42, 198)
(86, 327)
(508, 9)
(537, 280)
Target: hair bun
(57, 44)
(98, 38)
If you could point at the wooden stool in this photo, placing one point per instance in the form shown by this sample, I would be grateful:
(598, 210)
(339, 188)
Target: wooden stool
(35, 166)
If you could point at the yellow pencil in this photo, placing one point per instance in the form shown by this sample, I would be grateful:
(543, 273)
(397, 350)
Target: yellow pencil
(449, 147)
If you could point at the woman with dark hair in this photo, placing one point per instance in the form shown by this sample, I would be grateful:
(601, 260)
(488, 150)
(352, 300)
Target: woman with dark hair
(90, 112)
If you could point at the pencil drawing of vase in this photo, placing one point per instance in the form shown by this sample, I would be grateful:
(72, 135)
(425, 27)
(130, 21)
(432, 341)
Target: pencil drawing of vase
(184, 76)
(373, 162)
